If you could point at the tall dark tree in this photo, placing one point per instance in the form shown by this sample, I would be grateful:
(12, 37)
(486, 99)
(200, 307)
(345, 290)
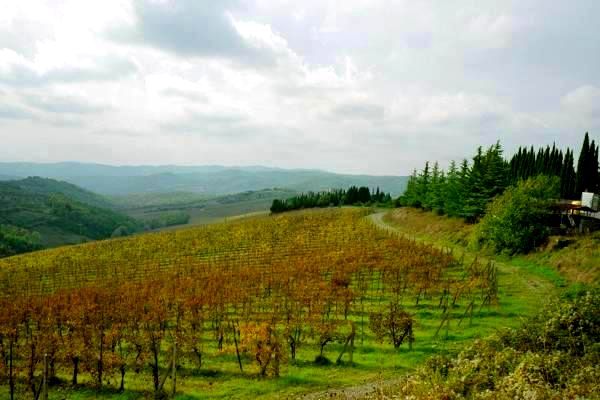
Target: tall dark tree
(567, 177)
(423, 184)
(582, 180)
(551, 161)
(594, 166)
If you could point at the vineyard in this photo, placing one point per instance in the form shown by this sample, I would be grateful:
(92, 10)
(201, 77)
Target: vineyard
(256, 298)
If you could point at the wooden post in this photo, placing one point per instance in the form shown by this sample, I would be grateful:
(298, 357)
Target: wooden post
(237, 350)
(11, 381)
(174, 370)
(45, 378)
(352, 351)
(362, 320)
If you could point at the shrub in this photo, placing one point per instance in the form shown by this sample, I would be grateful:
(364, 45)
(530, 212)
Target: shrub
(14, 240)
(516, 221)
(553, 356)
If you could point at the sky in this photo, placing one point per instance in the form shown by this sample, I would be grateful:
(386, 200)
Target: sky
(354, 86)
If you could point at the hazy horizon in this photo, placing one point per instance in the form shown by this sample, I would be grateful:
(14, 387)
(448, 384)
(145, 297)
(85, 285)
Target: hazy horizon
(232, 166)
(363, 87)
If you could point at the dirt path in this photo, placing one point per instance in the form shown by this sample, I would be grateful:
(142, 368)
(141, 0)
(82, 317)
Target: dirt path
(351, 393)
(509, 275)
(541, 285)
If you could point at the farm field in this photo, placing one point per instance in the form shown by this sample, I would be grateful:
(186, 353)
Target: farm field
(199, 209)
(266, 306)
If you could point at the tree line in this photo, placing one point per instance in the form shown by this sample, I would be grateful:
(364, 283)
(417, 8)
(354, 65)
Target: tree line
(465, 191)
(548, 161)
(332, 198)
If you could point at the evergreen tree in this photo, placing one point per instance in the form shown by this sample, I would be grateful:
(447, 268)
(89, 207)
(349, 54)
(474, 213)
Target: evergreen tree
(364, 195)
(488, 177)
(423, 185)
(582, 180)
(551, 161)
(567, 177)
(529, 164)
(594, 184)
(434, 199)
(452, 197)
(475, 198)
(411, 194)
(496, 171)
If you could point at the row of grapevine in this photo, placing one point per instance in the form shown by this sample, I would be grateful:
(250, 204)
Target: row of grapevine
(262, 289)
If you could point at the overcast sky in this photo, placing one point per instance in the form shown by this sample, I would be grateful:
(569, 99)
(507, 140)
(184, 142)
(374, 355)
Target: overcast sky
(358, 86)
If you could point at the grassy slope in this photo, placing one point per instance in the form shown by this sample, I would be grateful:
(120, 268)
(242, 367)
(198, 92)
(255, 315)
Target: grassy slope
(520, 290)
(520, 284)
(576, 258)
(523, 281)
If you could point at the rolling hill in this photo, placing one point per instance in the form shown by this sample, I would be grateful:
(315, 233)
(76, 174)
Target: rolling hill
(208, 180)
(37, 213)
(46, 186)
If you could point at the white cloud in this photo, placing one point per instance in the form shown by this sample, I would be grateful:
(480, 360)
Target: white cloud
(360, 86)
(490, 31)
(584, 99)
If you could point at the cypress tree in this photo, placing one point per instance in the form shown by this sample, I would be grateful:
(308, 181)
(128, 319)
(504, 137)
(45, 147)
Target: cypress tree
(530, 164)
(364, 195)
(583, 165)
(594, 184)
(567, 177)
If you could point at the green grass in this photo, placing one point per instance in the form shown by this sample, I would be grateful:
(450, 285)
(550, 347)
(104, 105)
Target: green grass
(538, 270)
(220, 377)
(522, 283)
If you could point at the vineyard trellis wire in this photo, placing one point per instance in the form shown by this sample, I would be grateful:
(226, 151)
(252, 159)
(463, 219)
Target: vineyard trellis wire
(261, 286)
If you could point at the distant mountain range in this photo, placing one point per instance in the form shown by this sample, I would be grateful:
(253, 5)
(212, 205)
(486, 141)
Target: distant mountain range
(209, 180)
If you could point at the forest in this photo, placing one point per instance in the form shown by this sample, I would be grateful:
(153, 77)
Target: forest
(466, 189)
